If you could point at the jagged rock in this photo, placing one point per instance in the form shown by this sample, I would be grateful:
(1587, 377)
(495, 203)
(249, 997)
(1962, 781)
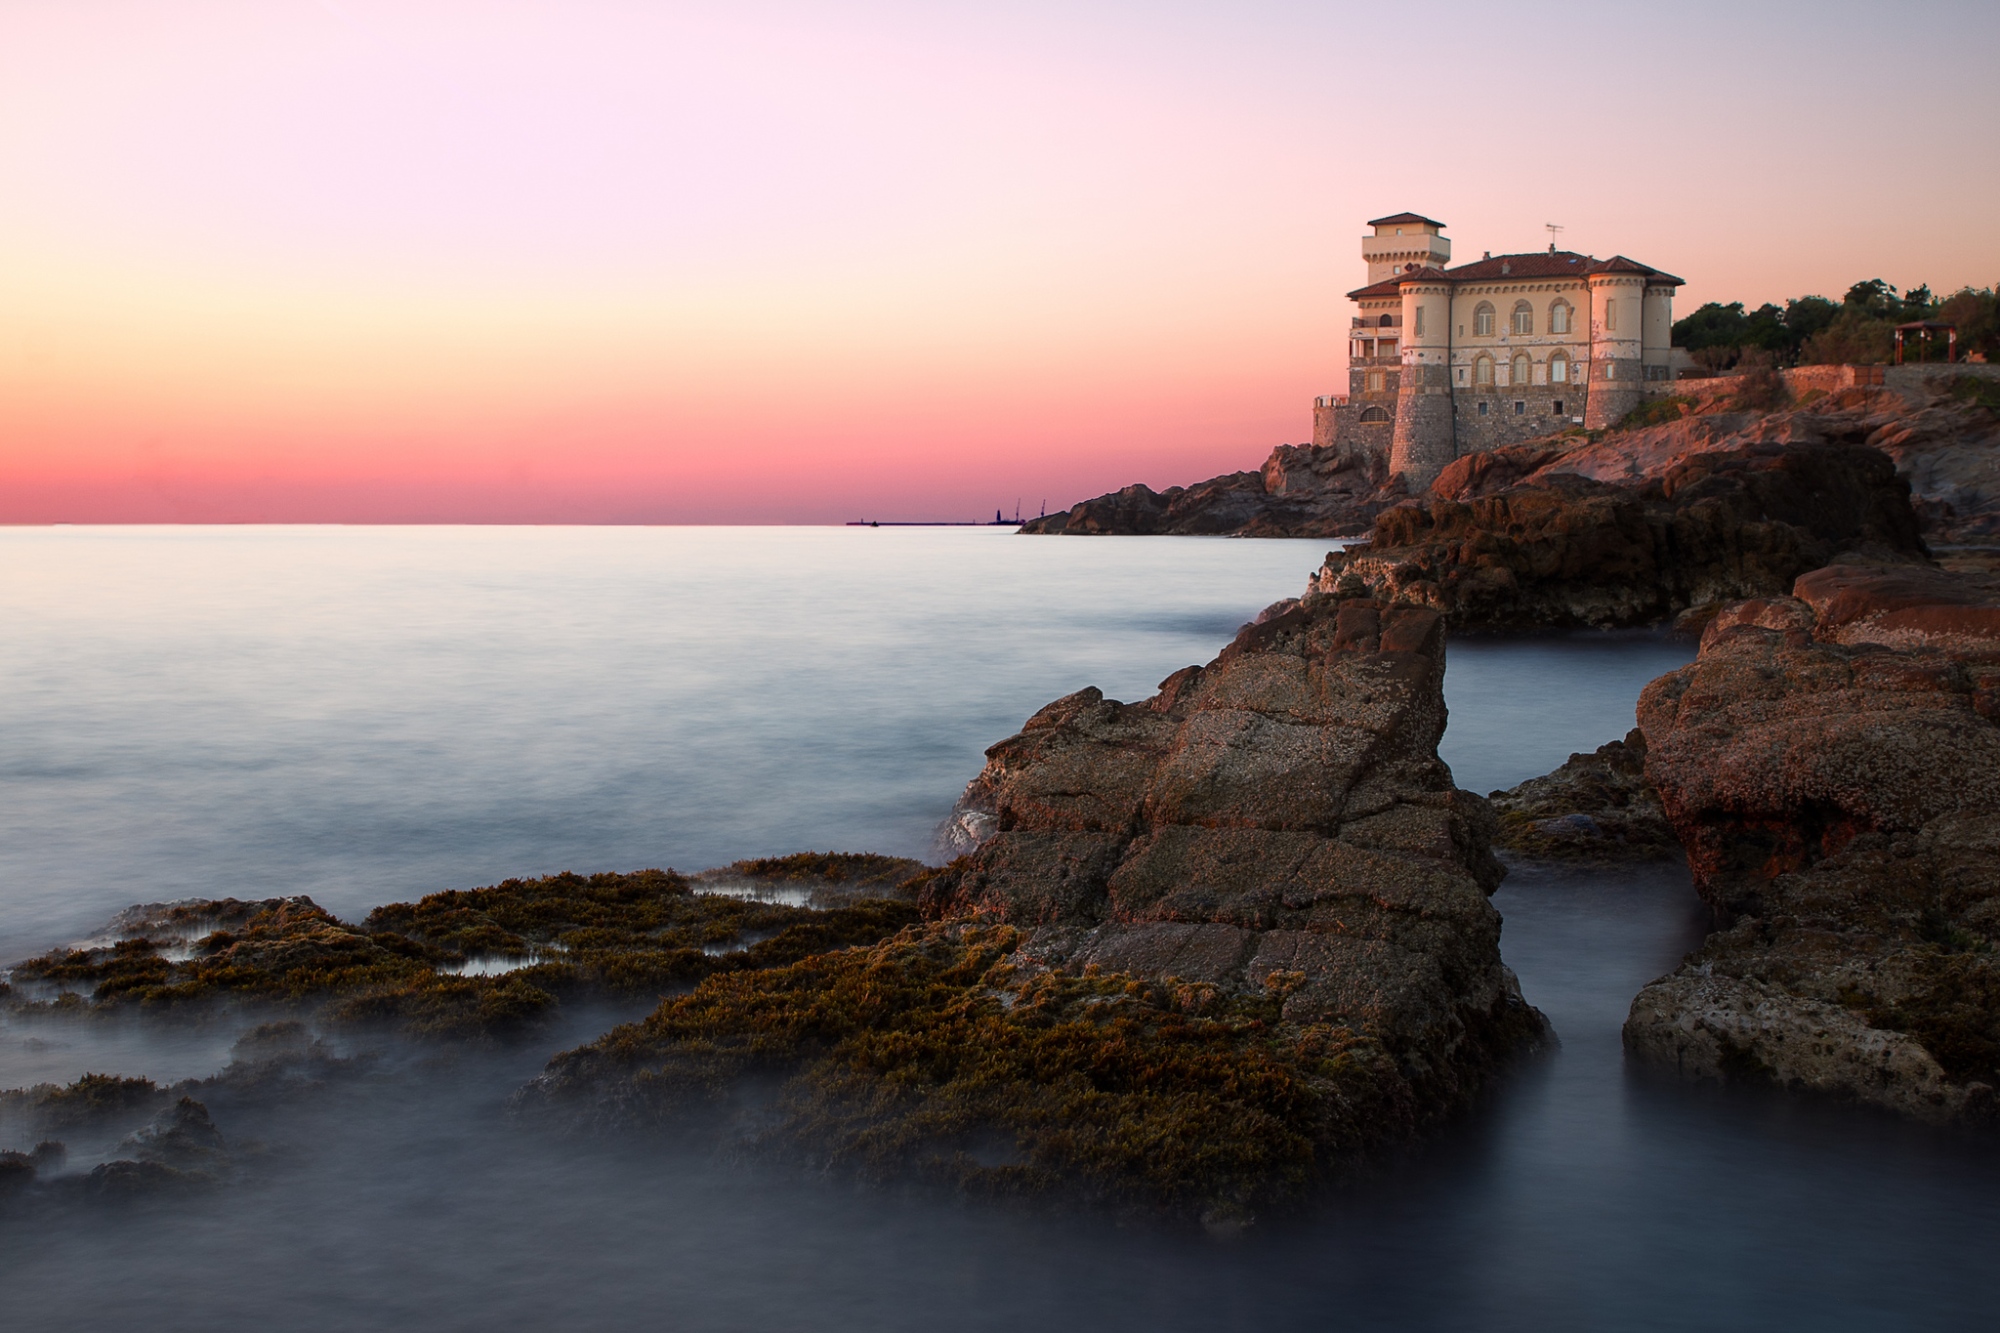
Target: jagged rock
(1568, 551)
(1595, 807)
(1282, 809)
(1839, 800)
(1207, 947)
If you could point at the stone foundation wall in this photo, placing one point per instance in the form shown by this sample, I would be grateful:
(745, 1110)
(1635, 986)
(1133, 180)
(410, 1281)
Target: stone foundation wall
(1500, 424)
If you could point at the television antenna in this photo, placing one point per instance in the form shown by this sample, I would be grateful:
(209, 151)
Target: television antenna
(1552, 230)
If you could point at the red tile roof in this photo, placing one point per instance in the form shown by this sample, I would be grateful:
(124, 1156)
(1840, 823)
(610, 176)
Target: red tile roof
(1535, 264)
(1394, 218)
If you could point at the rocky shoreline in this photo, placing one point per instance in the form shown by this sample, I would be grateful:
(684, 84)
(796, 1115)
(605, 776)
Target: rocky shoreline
(1208, 950)
(1196, 955)
(1831, 762)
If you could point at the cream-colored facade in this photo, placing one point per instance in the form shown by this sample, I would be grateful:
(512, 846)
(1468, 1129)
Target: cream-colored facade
(1445, 361)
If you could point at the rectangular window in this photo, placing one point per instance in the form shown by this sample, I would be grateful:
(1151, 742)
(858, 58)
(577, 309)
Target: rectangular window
(1559, 407)
(1611, 314)
(1520, 408)
(1461, 374)
(1375, 380)
(1482, 407)
(1420, 321)
(1387, 347)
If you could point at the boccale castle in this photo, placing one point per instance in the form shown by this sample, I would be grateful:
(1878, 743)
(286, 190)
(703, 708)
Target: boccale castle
(1447, 361)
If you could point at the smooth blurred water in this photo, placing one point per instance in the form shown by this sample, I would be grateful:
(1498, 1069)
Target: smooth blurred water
(366, 714)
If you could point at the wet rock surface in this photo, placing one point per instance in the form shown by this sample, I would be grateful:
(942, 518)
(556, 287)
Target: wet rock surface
(1560, 550)
(1250, 911)
(1596, 807)
(1831, 762)
(490, 962)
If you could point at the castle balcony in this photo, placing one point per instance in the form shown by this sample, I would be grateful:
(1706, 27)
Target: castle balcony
(1375, 322)
(1331, 400)
(1391, 362)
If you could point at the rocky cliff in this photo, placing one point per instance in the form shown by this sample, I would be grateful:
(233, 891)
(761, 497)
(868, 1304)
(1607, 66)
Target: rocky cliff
(1505, 543)
(1204, 949)
(1301, 491)
(1942, 433)
(1831, 763)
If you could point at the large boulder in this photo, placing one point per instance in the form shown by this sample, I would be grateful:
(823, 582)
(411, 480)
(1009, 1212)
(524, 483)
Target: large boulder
(1205, 949)
(1831, 762)
(1280, 810)
(1561, 550)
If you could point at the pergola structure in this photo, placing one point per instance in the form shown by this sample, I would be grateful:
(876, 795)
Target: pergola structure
(1927, 330)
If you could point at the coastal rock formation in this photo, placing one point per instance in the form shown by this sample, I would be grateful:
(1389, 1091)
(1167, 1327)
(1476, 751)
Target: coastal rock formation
(1207, 948)
(1940, 430)
(1301, 491)
(1596, 807)
(481, 962)
(1831, 762)
(1562, 550)
(1282, 809)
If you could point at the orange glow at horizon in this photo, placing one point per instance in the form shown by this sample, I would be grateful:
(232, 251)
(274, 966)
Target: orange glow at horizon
(787, 262)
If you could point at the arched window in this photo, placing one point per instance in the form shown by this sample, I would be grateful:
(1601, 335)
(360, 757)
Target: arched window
(1524, 318)
(1559, 316)
(1482, 320)
(1558, 369)
(1369, 414)
(1482, 370)
(1388, 321)
(1521, 369)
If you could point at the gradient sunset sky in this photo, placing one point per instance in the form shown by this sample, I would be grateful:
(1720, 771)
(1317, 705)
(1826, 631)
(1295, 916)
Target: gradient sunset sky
(596, 261)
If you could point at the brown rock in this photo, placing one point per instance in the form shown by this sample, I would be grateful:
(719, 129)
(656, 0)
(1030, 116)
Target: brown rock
(1839, 800)
(1301, 491)
(1596, 807)
(1280, 811)
(1568, 551)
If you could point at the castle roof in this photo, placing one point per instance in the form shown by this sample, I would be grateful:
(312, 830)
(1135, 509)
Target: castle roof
(1535, 264)
(1395, 218)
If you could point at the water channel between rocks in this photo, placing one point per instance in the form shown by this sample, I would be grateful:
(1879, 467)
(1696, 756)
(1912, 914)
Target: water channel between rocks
(364, 715)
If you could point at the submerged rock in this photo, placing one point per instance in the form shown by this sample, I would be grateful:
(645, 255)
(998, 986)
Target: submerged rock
(182, 1136)
(1563, 550)
(1839, 799)
(1214, 945)
(537, 942)
(1597, 806)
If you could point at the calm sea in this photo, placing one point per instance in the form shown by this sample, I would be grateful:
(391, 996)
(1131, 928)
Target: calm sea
(367, 714)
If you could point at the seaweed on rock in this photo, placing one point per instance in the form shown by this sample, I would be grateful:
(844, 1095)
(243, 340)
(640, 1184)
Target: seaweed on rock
(941, 1053)
(561, 937)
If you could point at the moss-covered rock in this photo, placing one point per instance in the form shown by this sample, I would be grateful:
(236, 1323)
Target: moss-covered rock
(945, 1054)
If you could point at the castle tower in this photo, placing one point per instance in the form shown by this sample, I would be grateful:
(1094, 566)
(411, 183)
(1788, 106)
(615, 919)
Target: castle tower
(1400, 241)
(1425, 436)
(1617, 326)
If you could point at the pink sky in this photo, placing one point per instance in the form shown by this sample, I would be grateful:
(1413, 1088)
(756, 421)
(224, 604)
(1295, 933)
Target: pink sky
(304, 260)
